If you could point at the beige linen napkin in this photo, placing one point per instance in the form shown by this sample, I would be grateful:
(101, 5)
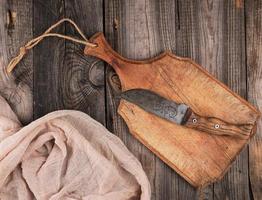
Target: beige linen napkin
(65, 155)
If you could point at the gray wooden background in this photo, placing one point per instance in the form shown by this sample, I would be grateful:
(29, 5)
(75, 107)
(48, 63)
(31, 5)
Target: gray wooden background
(225, 36)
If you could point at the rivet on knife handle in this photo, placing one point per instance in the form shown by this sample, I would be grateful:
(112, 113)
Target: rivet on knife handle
(216, 126)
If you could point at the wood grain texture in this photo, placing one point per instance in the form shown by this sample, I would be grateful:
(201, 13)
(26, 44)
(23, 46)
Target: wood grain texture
(233, 71)
(82, 77)
(183, 81)
(66, 78)
(254, 76)
(15, 29)
(212, 33)
(217, 126)
(48, 58)
(173, 23)
(128, 28)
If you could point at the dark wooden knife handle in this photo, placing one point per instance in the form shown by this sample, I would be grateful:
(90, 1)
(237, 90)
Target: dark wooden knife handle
(217, 126)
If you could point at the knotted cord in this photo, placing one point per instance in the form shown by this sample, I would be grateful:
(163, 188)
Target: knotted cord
(32, 43)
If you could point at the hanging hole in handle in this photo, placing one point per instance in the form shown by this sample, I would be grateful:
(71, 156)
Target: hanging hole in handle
(194, 121)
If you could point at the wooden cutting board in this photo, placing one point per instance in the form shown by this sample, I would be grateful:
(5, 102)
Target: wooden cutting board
(199, 157)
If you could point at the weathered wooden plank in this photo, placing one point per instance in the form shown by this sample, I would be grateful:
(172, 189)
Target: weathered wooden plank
(83, 77)
(64, 78)
(130, 27)
(167, 180)
(254, 76)
(15, 30)
(212, 33)
(207, 51)
(219, 47)
(48, 58)
(235, 184)
(179, 36)
(202, 34)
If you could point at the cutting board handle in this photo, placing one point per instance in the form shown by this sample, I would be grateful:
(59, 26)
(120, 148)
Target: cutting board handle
(104, 52)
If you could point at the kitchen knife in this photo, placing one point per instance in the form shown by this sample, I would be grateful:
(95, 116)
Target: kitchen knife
(182, 114)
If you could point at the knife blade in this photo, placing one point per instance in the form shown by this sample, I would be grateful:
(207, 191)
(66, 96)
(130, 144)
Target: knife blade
(182, 114)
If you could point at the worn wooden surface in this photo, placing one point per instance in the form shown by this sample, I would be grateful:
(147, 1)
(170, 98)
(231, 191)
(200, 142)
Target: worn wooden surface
(222, 35)
(15, 30)
(254, 94)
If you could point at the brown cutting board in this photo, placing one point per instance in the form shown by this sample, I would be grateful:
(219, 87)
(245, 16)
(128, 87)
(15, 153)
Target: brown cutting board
(199, 157)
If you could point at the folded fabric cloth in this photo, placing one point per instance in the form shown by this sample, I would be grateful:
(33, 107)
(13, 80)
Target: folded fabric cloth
(65, 155)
